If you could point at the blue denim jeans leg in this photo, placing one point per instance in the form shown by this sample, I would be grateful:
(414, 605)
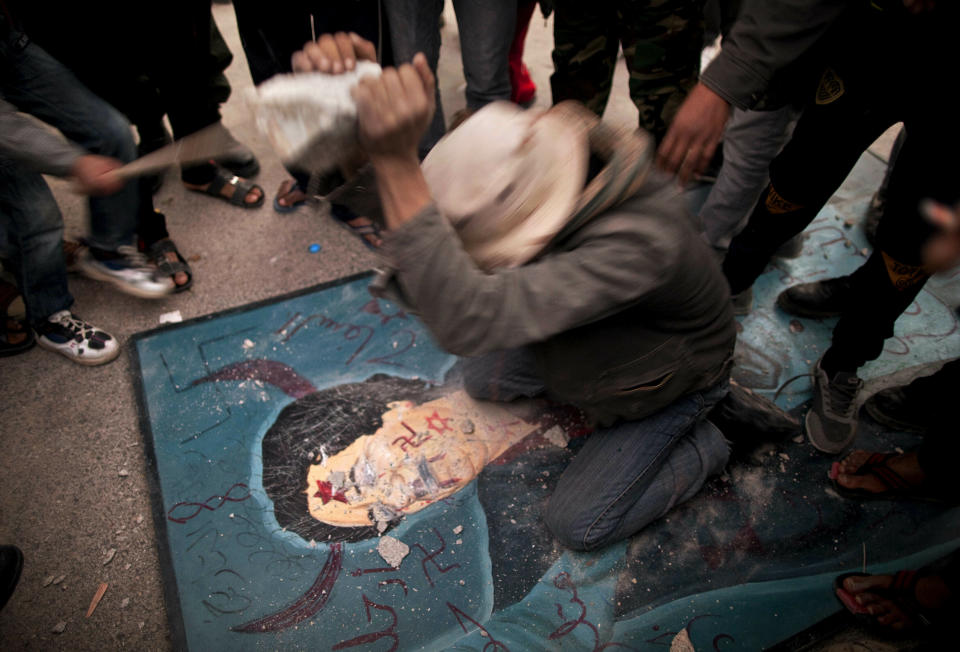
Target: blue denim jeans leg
(37, 84)
(630, 474)
(415, 27)
(486, 32)
(626, 475)
(31, 241)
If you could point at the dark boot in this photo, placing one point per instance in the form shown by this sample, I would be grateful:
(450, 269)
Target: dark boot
(826, 298)
(894, 409)
(749, 419)
(11, 563)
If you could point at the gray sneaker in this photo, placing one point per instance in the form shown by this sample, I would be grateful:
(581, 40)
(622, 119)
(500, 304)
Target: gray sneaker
(130, 273)
(831, 422)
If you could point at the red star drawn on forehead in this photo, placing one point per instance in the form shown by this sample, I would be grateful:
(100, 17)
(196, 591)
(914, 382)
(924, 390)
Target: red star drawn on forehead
(434, 419)
(326, 494)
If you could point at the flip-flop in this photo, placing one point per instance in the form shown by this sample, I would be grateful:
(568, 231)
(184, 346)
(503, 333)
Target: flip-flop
(10, 326)
(295, 185)
(344, 216)
(895, 486)
(901, 591)
(241, 189)
(158, 256)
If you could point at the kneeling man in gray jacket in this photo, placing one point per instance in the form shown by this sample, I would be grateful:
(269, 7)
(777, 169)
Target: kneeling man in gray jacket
(545, 249)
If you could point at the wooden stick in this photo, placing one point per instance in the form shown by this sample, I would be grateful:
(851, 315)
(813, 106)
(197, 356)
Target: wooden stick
(96, 599)
(210, 142)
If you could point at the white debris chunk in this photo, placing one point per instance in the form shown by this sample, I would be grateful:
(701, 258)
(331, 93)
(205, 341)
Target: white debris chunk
(557, 437)
(310, 119)
(392, 550)
(458, 529)
(173, 317)
(681, 642)
(59, 627)
(248, 344)
(337, 480)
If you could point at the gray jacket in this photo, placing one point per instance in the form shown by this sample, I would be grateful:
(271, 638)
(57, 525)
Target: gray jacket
(624, 316)
(769, 38)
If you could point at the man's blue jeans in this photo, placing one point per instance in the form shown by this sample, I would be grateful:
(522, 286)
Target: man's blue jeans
(626, 475)
(31, 241)
(31, 222)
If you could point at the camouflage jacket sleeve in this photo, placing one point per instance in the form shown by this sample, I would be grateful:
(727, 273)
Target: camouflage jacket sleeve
(25, 141)
(766, 37)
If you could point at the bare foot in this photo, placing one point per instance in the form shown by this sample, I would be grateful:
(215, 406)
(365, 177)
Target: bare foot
(906, 466)
(289, 194)
(930, 592)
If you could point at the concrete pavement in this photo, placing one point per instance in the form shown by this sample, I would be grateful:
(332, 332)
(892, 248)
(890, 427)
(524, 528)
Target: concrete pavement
(73, 488)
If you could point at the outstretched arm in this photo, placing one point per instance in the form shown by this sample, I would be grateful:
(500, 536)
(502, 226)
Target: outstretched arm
(34, 146)
(393, 112)
(767, 35)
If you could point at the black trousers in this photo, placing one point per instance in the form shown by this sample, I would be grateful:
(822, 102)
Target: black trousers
(270, 37)
(897, 70)
(933, 396)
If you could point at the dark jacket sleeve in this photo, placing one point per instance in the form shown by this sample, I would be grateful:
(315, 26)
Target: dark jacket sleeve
(767, 36)
(471, 312)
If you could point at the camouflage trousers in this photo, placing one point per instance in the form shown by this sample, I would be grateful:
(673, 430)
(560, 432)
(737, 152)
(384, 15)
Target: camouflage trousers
(661, 41)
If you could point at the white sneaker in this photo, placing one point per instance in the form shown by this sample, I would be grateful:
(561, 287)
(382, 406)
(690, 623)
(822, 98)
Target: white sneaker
(131, 273)
(78, 340)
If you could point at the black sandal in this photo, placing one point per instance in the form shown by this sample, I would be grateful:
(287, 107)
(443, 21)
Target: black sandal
(368, 233)
(157, 253)
(21, 335)
(241, 189)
